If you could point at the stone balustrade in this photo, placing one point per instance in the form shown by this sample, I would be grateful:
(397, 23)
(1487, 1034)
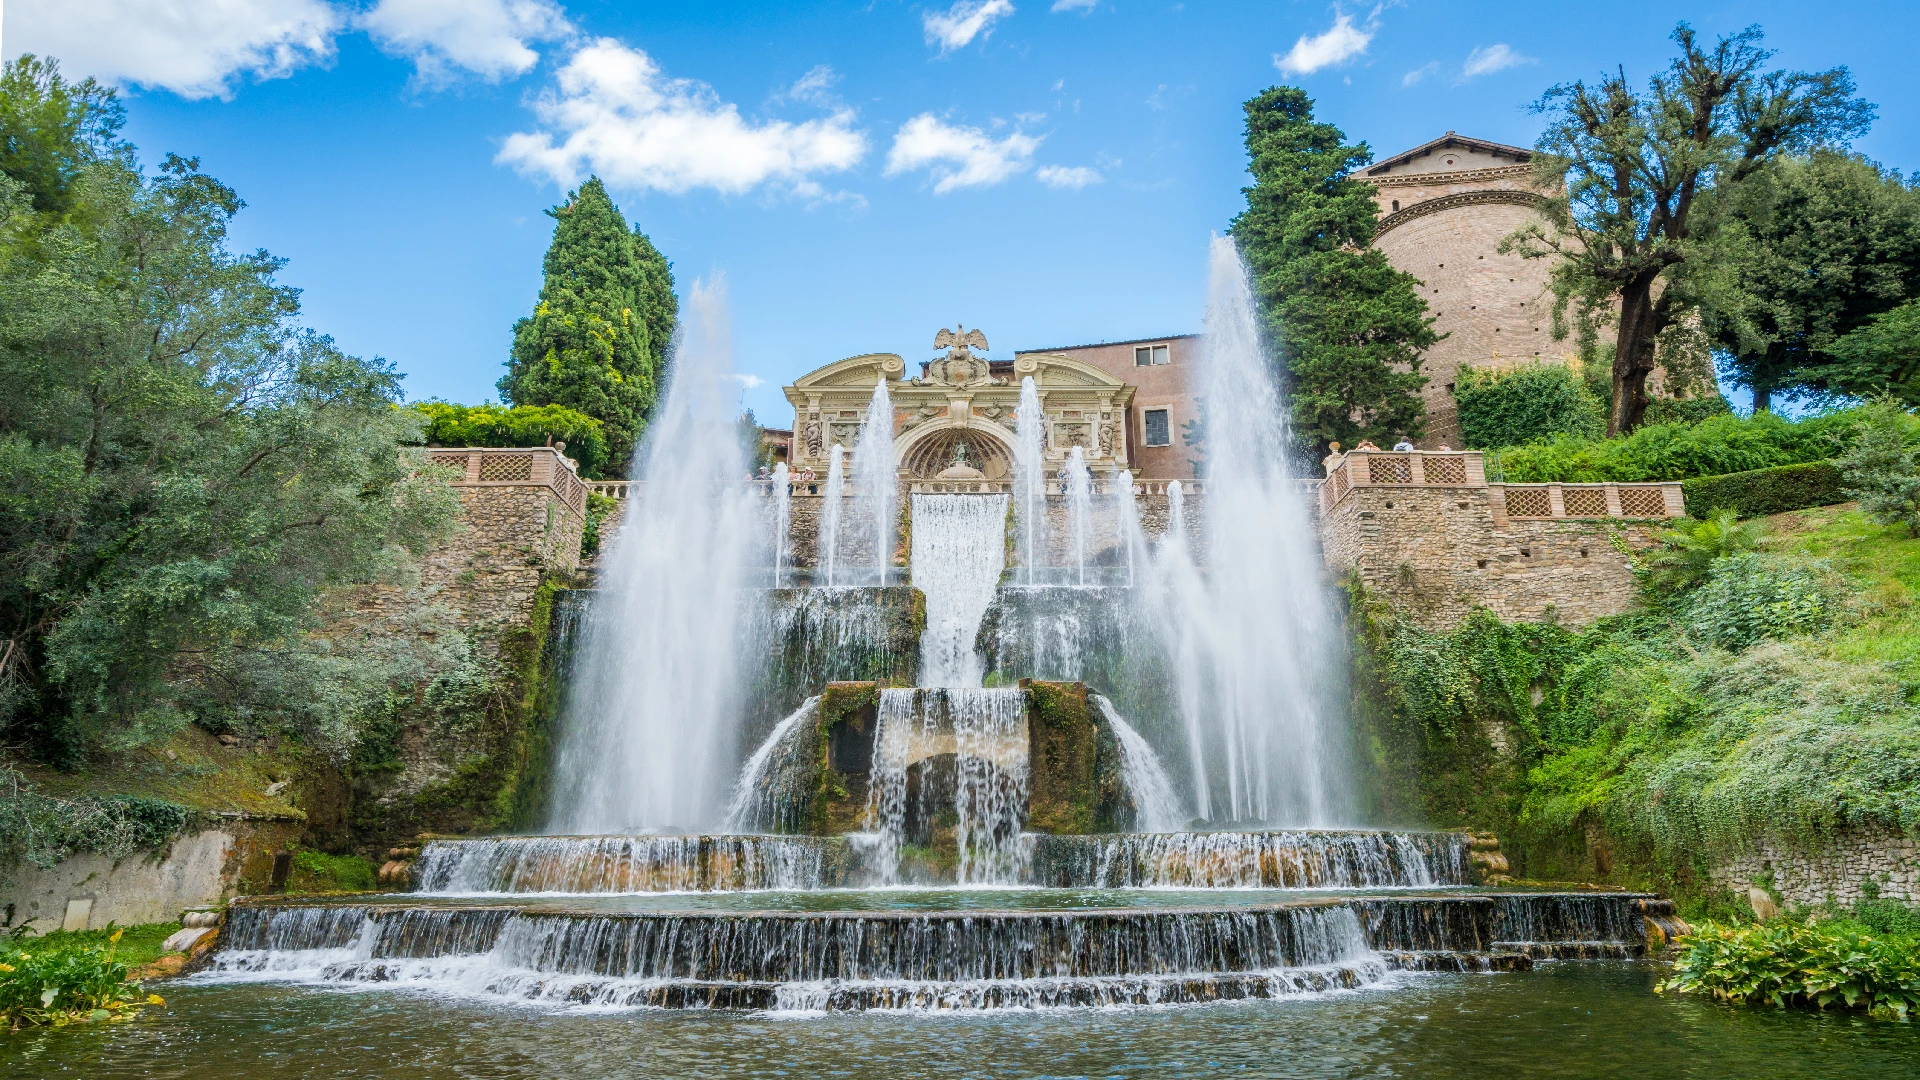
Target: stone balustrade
(536, 466)
(1357, 469)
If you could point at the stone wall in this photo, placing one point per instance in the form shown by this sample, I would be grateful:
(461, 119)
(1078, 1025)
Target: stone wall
(1437, 550)
(1836, 872)
(202, 867)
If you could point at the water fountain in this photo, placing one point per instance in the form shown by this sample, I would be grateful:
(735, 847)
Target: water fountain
(950, 795)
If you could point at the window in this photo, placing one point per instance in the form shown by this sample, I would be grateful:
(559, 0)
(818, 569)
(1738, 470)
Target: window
(1151, 355)
(1156, 425)
(1396, 204)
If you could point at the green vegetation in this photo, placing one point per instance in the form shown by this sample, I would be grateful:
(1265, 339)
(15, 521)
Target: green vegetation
(598, 338)
(1882, 470)
(1678, 451)
(1800, 961)
(1349, 327)
(1813, 249)
(1527, 404)
(185, 472)
(136, 945)
(1766, 491)
(599, 508)
(1075, 786)
(1628, 179)
(522, 425)
(1759, 695)
(41, 829)
(67, 983)
(319, 872)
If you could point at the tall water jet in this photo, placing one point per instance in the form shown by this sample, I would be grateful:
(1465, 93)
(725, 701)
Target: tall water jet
(651, 726)
(959, 552)
(782, 523)
(828, 557)
(1029, 479)
(1257, 640)
(1132, 538)
(877, 477)
(1079, 495)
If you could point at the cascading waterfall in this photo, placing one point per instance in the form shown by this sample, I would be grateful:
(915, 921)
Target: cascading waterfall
(1029, 480)
(647, 743)
(878, 478)
(1295, 859)
(759, 796)
(1079, 494)
(1255, 636)
(782, 523)
(1156, 807)
(631, 864)
(831, 509)
(985, 732)
(959, 551)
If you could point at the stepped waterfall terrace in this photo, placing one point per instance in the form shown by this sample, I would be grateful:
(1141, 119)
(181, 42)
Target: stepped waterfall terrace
(905, 837)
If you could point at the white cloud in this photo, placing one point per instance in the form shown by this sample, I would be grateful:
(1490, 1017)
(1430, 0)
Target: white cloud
(491, 38)
(613, 112)
(1488, 59)
(1067, 179)
(964, 21)
(194, 49)
(815, 87)
(746, 381)
(1417, 74)
(958, 156)
(1342, 42)
(1075, 5)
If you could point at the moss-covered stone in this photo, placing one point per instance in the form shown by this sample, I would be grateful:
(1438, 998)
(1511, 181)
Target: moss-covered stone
(845, 726)
(1075, 783)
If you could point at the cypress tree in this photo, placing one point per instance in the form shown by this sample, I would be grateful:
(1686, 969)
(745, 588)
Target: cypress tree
(598, 338)
(1348, 327)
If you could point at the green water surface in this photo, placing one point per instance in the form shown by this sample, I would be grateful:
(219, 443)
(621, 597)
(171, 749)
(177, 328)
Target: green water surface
(1563, 1020)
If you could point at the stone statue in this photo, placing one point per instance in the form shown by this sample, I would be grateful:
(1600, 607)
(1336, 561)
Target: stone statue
(958, 340)
(1106, 437)
(960, 367)
(813, 435)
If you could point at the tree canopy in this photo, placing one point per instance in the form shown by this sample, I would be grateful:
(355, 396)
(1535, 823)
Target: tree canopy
(184, 470)
(1348, 328)
(598, 339)
(1625, 172)
(1816, 247)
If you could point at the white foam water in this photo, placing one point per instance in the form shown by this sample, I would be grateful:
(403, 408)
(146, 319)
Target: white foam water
(959, 551)
(985, 731)
(1156, 807)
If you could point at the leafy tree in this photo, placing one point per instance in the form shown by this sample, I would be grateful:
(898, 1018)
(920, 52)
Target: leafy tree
(1882, 356)
(1625, 172)
(1527, 404)
(1882, 469)
(522, 425)
(52, 129)
(598, 339)
(184, 472)
(1349, 327)
(1817, 246)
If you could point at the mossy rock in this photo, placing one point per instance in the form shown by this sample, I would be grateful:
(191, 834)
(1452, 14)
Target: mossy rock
(1075, 784)
(848, 718)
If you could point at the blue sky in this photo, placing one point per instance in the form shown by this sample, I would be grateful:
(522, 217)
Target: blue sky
(861, 173)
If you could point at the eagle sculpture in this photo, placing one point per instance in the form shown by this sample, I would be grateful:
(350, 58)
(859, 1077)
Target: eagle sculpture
(962, 341)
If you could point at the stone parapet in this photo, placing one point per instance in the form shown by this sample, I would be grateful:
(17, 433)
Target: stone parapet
(1428, 531)
(1837, 871)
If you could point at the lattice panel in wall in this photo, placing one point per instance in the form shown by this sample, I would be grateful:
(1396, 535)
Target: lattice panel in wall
(1528, 502)
(1389, 469)
(1584, 502)
(1445, 470)
(506, 467)
(1340, 482)
(1643, 502)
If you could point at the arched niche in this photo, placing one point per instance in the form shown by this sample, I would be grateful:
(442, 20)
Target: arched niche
(923, 453)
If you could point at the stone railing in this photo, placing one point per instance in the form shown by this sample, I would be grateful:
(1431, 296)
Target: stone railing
(1467, 469)
(622, 490)
(537, 466)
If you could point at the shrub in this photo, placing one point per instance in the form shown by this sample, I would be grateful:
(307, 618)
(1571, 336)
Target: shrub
(1693, 546)
(1881, 469)
(1713, 447)
(71, 985)
(1766, 491)
(1685, 410)
(522, 425)
(1751, 596)
(42, 830)
(598, 508)
(1527, 404)
(1799, 963)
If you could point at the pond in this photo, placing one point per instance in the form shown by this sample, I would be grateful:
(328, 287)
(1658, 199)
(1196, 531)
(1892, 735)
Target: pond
(1588, 1020)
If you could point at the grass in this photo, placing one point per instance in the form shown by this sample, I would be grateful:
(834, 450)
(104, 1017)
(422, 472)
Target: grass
(318, 872)
(1884, 562)
(192, 769)
(138, 944)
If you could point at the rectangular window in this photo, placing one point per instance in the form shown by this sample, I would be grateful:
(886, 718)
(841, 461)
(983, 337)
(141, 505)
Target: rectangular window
(1156, 425)
(1150, 355)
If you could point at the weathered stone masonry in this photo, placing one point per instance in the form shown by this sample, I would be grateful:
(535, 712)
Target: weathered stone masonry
(1428, 532)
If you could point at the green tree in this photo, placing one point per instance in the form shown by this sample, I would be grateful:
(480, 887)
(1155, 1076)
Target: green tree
(1529, 403)
(184, 472)
(1625, 172)
(523, 425)
(1348, 327)
(1818, 245)
(1882, 356)
(52, 129)
(598, 339)
(1882, 469)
